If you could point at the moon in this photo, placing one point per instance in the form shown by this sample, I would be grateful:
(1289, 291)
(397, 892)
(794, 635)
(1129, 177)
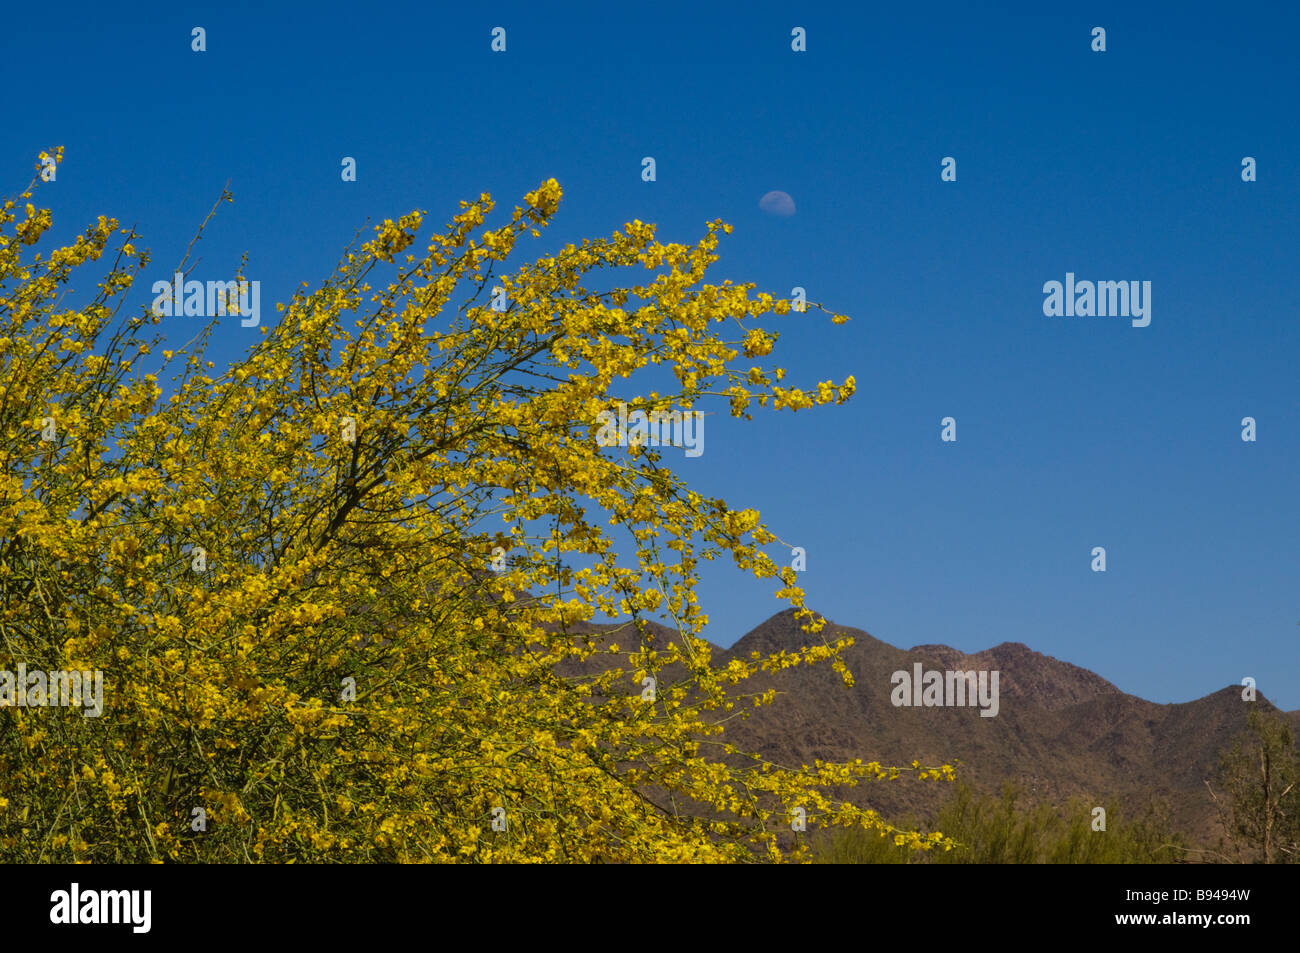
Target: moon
(777, 203)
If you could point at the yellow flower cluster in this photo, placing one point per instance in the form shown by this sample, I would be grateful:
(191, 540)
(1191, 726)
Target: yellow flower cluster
(341, 594)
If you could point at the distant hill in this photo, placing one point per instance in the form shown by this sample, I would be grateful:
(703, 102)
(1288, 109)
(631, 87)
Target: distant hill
(1060, 730)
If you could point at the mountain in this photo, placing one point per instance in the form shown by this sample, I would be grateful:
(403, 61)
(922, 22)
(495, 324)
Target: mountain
(1060, 731)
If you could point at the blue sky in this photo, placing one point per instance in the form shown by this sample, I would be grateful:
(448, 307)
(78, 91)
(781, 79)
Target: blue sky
(1071, 432)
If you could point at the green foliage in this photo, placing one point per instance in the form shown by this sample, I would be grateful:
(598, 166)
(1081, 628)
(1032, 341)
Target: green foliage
(1259, 799)
(1009, 830)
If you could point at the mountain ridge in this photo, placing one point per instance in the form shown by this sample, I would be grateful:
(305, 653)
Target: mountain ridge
(1061, 731)
(953, 658)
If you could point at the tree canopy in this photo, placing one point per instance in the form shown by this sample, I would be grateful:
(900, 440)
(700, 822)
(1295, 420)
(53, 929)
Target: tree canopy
(332, 588)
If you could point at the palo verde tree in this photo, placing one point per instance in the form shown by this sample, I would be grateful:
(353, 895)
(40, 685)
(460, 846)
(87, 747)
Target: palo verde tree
(1259, 799)
(332, 588)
